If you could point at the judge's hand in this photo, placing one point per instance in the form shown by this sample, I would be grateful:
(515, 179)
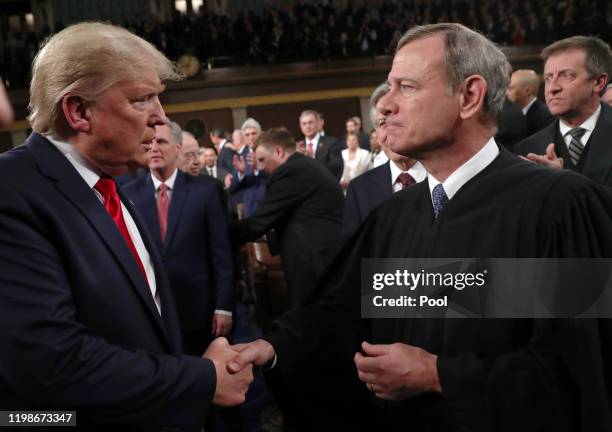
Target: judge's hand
(231, 388)
(397, 371)
(221, 324)
(259, 353)
(227, 181)
(550, 159)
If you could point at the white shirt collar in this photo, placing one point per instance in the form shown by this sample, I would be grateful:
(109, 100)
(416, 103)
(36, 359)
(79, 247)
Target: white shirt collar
(588, 125)
(314, 140)
(526, 107)
(90, 174)
(223, 141)
(169, 182)
(239, 151)
(416, 171)
(467, 171)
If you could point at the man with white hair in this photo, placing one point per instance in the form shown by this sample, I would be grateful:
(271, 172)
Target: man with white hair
(189, 160)
(446, 87)
(89, 320)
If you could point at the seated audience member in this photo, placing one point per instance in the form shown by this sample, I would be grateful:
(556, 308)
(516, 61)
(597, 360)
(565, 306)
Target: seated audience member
(356, 160)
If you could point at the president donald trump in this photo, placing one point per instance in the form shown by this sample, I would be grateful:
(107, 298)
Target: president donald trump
(88, 320)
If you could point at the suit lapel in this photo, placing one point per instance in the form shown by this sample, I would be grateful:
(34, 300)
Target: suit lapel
(179, 194)
(72, 186)
(598, 161)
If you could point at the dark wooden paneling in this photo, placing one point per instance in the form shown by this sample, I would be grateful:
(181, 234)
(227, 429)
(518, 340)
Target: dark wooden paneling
(336, 112)
(211, 118)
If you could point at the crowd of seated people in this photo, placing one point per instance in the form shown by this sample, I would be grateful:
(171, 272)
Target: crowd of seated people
(314, 32)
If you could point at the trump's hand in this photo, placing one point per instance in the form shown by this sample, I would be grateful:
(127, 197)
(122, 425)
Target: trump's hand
(550, 159)
(397, 371)
(259, 353)
(221, 324)
(231, 388)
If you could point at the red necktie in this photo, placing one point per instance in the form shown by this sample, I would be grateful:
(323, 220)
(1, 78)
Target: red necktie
(107, 187)
(405, 179)
(310, 148)
(162, 210)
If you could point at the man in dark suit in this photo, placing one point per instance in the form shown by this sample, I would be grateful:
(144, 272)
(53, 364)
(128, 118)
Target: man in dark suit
(303, 204)
(372, 188)
(88, 318)
(224, 152)
(511, 125)
(188, 225)
(523, 91)
(210, 167)
(575, 76)
(353, 125)
(326, 149)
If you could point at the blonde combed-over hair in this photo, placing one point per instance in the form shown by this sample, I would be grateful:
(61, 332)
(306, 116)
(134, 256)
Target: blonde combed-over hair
(84, 60)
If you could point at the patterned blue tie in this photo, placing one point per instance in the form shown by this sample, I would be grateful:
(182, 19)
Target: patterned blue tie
(439, 199)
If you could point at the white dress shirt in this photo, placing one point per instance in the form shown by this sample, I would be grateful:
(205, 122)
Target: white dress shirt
(315, 143)
(467, 171)
(588, 125)
(91, 176)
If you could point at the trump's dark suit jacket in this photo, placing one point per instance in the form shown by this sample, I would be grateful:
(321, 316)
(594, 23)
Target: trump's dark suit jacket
(303, 204)
(364, 194)
(196, 252)
(80, 329)
(596, 161)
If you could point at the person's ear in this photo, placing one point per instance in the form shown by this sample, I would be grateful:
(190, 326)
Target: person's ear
(77, 112)
(472, 97)
(601, 81)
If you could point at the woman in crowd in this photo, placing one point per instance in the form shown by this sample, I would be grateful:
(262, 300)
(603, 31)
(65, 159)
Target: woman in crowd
(356, 160)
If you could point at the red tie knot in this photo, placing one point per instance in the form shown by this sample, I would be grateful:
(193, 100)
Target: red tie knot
(405, 179)
(106, 186)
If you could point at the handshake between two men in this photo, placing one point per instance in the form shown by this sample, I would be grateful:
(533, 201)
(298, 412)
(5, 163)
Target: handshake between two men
(394, 372)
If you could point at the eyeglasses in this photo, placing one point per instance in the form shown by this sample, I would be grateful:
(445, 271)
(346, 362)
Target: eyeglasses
(191, 156)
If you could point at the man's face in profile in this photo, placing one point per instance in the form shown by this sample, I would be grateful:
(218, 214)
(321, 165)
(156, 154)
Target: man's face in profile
(267, 159)
(419, 112)
(122, 124)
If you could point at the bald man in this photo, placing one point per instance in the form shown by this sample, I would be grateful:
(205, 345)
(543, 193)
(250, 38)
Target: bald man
(523, 91)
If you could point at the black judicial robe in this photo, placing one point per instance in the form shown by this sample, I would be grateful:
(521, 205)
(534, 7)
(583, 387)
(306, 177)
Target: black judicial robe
(496, 374)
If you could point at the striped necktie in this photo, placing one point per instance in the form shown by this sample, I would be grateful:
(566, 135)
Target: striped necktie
(576, 147)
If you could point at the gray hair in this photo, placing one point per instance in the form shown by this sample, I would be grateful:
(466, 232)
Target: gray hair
(176, 132)
(250, 123)
(378, 93)
(467, 53)
(85, 59)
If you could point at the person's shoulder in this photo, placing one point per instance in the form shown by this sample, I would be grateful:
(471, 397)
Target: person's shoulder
(135, 184)
(381, 171)
(542, 137)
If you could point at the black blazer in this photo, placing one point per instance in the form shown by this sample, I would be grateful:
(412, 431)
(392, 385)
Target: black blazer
(303, 204)
(511, 125)
(329, 151)
(364, 194)
(224, 159)
(196, 253)
(596, 162)
(538, 117)
(80, 327)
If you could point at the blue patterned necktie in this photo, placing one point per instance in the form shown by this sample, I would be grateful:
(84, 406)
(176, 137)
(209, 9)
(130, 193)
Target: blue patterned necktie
(439, 199)
(576, 147)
